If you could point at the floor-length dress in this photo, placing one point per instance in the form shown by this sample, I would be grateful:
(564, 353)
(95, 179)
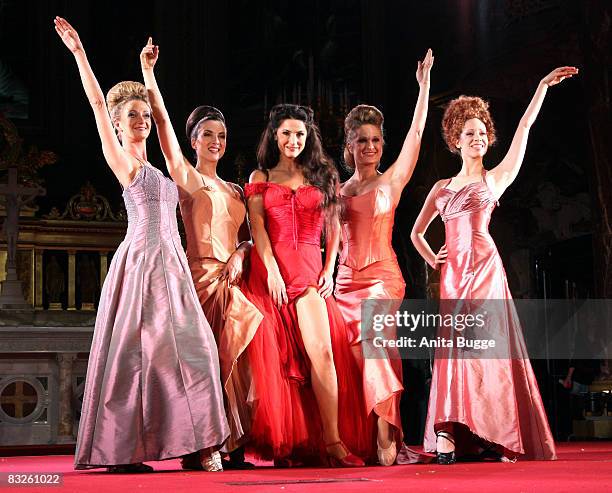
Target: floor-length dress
(368, 270)
(286, 420)
(212, 219)
(153, 389)
(492, 401)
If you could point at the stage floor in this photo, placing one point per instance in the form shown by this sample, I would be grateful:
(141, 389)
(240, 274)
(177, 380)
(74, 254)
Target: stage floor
(582, 466)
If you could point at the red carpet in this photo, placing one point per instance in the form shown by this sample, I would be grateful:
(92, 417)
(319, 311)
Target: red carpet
(582, 466)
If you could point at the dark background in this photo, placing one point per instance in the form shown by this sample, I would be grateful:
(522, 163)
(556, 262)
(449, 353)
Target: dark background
(243, 56)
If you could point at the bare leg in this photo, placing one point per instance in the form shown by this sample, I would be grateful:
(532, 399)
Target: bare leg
(314, 327)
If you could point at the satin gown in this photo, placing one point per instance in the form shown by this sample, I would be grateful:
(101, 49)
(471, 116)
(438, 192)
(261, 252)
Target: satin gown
(368, 270)
(212, 220)
(153, 389)
(483, 402)
(286, 422)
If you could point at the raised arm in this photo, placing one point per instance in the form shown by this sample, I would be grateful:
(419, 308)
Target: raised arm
(122, 165)
(400, 171)
(257, 215)
(179, 168)
(427, 214)
(505, 172)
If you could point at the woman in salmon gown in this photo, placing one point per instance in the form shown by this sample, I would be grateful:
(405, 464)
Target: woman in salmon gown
(218, 239)
(152, 390)
(308, 404)
(368, 268)
(481, 405)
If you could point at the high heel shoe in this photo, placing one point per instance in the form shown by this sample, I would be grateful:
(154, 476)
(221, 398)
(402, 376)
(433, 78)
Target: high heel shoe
(386, 456)
(446, 458)
(349, 460)
(212, 462)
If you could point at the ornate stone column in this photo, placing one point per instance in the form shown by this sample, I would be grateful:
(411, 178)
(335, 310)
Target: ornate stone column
(71, 279)
(103, 266)
(38, 279)
(65, 431)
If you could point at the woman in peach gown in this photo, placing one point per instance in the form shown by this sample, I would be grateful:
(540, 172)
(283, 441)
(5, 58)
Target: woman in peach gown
(489, 405)
(368, 266)
(218, 239)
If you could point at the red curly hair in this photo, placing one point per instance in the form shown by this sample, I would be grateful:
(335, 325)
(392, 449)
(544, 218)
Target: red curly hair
(459, 111)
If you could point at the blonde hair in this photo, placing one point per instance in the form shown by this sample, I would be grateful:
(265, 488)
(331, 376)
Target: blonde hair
(123, 92)
(459, 111)
(362, 114)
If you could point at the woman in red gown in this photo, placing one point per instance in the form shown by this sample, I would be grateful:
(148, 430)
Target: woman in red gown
(368, 268)
(478, 405)
(307, 402)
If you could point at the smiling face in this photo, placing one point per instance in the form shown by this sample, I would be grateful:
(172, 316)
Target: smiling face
(473, 141)
(366, 146)
(134, 123)
(291, 138)
(210, 141)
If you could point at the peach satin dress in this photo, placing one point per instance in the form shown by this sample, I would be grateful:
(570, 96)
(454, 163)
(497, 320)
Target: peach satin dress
(369, 270)
(212, 221)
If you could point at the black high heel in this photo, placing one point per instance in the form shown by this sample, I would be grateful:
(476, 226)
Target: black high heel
(446, 458)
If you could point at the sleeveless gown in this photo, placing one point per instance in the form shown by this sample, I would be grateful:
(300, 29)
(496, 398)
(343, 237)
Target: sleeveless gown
(368, 269)
(153, 389)
(212, 220)
(483, 402)
(286, 419)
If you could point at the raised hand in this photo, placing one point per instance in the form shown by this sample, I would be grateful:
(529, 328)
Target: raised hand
(424, 68)
(68, 34)
(559, 74)
(148, 55)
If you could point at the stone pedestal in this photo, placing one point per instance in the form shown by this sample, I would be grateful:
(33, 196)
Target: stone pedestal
(11, 294)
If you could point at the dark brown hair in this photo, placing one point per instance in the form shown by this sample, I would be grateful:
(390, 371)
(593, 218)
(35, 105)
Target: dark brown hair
(317, 167)
(199, 115)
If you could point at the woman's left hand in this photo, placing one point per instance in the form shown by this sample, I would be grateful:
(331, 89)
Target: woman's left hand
(233, 269)
(424, 68)
(559, 74)
(326, 283)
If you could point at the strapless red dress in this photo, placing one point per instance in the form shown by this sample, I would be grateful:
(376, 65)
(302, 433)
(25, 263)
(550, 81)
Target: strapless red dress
(286, 420)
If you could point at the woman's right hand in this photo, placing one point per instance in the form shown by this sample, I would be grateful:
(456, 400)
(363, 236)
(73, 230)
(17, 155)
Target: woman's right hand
(440, 258)
(276, 288)
(148, 55)
(68, 34)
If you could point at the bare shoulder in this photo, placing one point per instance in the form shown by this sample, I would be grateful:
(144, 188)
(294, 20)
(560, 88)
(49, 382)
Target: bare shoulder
(257, 176)
(237, 188)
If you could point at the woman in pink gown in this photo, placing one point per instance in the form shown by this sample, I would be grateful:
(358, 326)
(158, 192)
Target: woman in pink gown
(368, 268)
(480, 405)
(308, 404)
(218, 239)
(152, 390)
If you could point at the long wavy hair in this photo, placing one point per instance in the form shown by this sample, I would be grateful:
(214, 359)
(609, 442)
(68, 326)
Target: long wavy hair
(318, 168)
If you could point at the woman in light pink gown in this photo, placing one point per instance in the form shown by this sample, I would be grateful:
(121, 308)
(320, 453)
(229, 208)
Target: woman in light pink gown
(368, 268)
(153, 389)
(481, 405)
